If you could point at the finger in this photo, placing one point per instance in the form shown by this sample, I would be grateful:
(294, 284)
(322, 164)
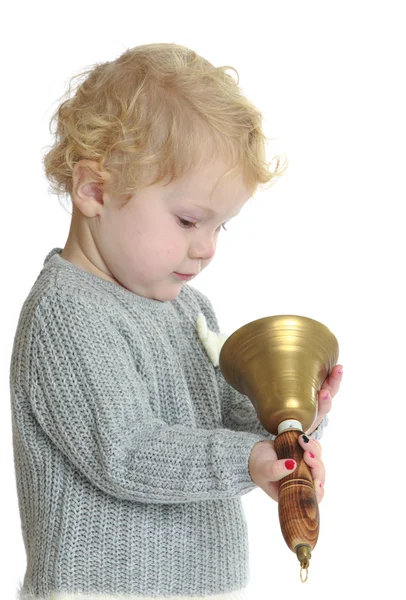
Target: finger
(332, 382)
(278, 469)
(334, 378)
(318, 446)
(312, 457)
(317, 468)
(319, 489)
(324, 402)
(311, 445)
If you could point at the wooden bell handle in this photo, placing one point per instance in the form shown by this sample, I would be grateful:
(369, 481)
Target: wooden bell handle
(298, 507)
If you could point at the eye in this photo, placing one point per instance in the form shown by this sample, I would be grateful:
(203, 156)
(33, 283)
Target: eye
(186, 224)
(189, 224)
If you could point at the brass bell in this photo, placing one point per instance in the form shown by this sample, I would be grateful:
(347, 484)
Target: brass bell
(280, 363)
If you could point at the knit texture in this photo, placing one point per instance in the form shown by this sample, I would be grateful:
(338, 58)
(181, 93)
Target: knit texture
(130, 448)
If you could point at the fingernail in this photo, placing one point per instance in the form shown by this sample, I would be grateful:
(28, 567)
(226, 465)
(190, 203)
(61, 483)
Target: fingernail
(305, 438)
(326, 395)
(340, 371)
(290, 464)
(321, 485)
(311, 454)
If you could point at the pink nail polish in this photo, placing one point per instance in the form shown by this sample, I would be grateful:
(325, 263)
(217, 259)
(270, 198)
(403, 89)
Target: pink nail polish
(311, 454)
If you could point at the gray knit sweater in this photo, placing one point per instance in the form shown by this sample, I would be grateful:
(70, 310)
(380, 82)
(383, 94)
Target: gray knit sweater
(131, 450)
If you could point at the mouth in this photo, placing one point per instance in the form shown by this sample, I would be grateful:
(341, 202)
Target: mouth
(185, 276)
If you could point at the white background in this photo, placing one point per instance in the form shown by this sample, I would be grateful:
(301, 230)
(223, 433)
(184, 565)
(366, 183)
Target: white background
(327, 241)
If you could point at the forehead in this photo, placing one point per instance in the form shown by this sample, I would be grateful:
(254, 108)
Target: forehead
(211, 187)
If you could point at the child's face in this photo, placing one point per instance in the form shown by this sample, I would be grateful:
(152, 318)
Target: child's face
(144, 244)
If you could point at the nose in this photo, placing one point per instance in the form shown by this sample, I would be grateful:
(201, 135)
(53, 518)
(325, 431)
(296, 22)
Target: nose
(203, 247)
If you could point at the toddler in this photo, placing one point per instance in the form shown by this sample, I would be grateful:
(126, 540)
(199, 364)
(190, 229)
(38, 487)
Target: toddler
(131, 450)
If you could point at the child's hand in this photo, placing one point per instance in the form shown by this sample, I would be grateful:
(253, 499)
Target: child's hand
(326, 394)
(266, 470)
(312, 457)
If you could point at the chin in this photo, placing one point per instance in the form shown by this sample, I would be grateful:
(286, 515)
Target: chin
(170, 294)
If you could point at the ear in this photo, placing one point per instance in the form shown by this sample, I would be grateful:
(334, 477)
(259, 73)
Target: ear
(88, 183)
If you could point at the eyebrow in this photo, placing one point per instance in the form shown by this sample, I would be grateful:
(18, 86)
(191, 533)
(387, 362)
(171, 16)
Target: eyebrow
(208, 210)
(204, 208)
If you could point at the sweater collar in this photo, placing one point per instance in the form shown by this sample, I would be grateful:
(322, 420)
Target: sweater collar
(54, 258)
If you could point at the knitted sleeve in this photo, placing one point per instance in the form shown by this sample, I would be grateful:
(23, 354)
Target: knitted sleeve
(239, 413)
(92, 403)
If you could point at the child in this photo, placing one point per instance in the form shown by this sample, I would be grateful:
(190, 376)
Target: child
(131, 450)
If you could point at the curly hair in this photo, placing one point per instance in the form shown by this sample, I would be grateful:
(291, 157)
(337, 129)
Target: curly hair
(155, 112)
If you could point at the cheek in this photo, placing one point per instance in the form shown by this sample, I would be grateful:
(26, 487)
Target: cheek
(156, 240)
(163, 246)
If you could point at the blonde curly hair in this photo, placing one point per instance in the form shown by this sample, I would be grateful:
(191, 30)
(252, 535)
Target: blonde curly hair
(155, 112)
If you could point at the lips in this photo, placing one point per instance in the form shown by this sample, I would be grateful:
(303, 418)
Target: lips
(183, 276)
